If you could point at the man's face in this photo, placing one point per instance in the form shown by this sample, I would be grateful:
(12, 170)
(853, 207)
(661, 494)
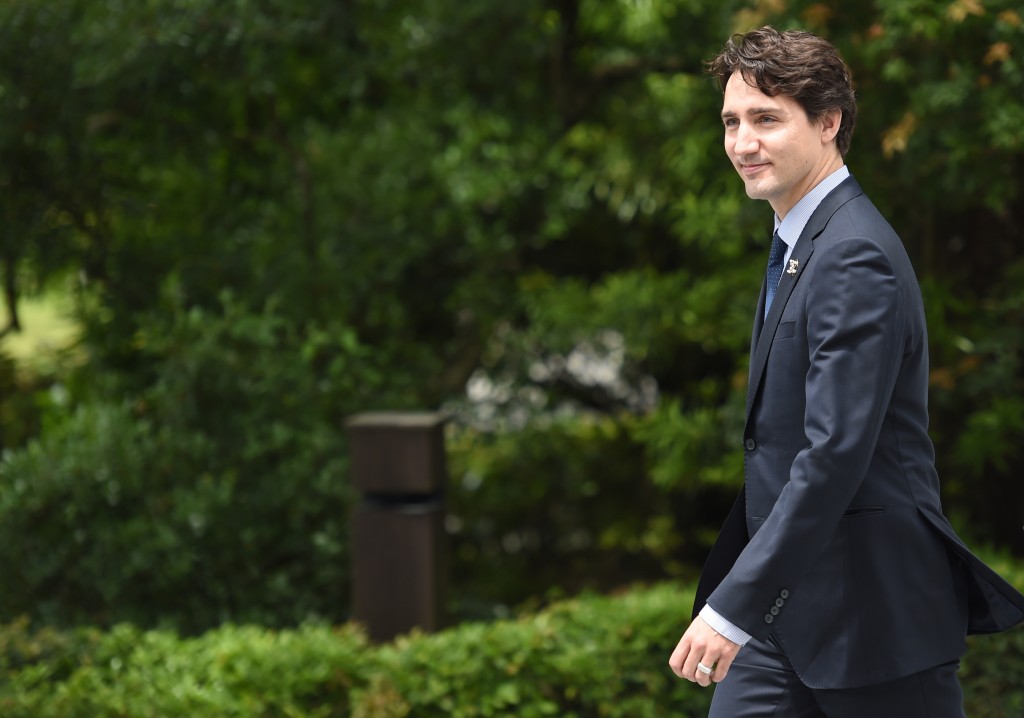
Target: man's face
(777, 151)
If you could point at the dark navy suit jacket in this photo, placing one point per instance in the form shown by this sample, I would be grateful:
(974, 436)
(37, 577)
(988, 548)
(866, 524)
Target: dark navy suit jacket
(837, 546)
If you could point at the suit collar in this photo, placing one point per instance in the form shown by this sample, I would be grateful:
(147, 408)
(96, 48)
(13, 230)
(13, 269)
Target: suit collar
(764, 332)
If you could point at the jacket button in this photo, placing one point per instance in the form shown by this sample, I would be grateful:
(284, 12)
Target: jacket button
(779, 602)
(768, 618)
(749, 444)
(774, 610)
(784, 593)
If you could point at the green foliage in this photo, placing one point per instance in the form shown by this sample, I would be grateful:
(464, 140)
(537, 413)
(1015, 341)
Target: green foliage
(977, 382)
(993, 674)
(19, 415)
(55, 549)
(233, 671)
(558, 490)
(564, 505)
(591, 656)
(281, 213)
(218, 494)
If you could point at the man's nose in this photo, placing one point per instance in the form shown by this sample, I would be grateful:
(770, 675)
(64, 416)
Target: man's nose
(746, 141)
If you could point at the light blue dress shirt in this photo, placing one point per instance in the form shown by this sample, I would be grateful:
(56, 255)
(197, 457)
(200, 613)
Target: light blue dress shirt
(792, 226)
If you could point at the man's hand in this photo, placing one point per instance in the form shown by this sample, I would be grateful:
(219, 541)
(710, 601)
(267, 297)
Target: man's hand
(701, 643)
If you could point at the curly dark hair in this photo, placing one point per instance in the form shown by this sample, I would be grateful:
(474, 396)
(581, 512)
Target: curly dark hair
(794, 64)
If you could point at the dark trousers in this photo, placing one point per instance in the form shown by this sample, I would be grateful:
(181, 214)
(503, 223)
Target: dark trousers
(762, 684)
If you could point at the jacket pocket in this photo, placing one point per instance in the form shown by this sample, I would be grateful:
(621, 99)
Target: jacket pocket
(785, 330)
(859, 511)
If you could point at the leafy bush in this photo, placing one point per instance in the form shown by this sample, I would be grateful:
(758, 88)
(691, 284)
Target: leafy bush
(86, 520)
(233, 671)
(217, 494)
(568, 505)
(585, 657)
(591, 656)
(993, 676)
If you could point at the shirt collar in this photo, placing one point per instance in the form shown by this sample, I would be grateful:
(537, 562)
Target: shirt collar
(792, 226)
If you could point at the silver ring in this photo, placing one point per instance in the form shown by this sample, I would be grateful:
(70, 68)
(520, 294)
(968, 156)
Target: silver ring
(704, 669)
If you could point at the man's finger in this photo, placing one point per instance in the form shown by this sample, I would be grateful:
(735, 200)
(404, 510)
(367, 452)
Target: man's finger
(677, 661)
(695, 654)
(703, 677)
(723, 667)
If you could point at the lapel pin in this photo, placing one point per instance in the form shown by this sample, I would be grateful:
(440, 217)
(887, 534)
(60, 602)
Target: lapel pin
(794, 264)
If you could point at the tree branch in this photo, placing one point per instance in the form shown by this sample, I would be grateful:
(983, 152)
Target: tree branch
(11, 298)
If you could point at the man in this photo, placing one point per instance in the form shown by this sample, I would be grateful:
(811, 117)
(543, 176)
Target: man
(837, 587)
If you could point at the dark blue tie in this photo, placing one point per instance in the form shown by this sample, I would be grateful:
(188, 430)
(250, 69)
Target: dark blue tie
(775, 256)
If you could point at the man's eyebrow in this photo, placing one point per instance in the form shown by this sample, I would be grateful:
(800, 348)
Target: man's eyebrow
(752, 112)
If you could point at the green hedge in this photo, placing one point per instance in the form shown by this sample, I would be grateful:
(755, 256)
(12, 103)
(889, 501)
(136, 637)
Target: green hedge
(232, 671)
(592, 656)
(585, 657)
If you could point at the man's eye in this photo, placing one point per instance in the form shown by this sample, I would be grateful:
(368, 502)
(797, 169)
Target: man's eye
(731, 122)
(766, 120)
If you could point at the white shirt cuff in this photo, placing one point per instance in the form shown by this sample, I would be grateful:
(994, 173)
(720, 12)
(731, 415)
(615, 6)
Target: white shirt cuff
(723, 626)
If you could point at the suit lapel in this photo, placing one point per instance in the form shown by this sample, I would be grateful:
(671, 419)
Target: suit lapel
(763, 337)
(758, 326)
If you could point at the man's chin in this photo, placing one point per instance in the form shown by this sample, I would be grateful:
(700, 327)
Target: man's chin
(760, 187)
(755, 191)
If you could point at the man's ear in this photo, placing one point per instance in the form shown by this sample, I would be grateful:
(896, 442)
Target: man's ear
(830, 122)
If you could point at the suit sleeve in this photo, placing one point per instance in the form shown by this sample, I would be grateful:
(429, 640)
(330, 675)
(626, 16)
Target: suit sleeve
(854, 315)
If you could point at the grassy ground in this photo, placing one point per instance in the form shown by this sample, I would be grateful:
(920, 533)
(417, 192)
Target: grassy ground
(48, 327)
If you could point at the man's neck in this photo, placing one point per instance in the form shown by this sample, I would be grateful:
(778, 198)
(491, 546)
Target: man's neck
(827, 169)
(801, 212)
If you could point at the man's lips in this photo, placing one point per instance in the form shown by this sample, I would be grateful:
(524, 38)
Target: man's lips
(752, 168)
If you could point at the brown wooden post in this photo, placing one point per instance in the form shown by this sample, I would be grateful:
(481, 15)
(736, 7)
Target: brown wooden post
(398, 552)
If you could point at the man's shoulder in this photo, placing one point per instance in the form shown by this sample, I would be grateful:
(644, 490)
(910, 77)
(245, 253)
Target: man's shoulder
(856, 225)
(852, 214)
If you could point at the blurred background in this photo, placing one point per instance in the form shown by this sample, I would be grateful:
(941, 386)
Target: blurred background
(228, 225)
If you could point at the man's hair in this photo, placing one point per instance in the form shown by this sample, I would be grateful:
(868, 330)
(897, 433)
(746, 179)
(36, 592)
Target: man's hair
(793, 64)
